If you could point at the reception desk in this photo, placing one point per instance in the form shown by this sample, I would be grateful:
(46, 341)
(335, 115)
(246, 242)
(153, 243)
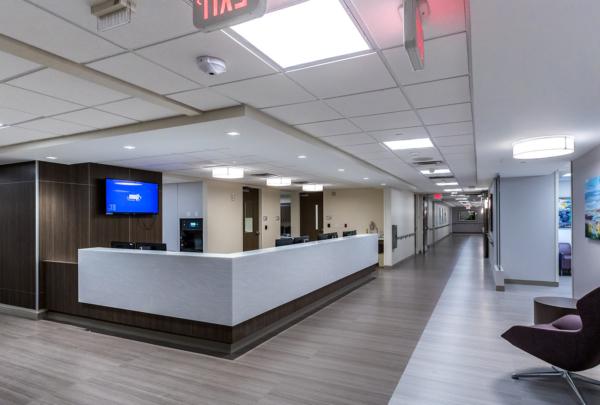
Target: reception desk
(231, 300)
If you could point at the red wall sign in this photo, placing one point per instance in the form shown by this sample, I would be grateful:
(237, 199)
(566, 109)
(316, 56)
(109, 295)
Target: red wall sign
(438, 197)
(211, 15)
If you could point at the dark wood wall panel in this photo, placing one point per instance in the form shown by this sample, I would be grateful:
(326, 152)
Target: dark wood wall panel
(17, 235)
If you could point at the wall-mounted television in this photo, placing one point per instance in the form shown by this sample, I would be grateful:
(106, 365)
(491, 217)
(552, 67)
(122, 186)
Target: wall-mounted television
(128, 197)
(592, 208)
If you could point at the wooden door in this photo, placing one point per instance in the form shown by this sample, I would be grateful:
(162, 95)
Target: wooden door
(311, 214)
(250, 219)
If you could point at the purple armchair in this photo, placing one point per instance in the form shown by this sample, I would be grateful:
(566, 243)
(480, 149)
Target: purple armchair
(564, 258)
(569, 344)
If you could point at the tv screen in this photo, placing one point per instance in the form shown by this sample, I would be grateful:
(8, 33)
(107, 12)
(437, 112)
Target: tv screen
(131, 197)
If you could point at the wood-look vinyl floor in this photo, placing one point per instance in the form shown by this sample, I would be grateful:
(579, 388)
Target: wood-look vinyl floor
(461, 359)
(351, 352)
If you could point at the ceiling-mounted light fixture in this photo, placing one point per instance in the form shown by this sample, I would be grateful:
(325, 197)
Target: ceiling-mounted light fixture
(228, 172)
(435, 171)
(449, 183)
(409, 144)
(311, 188)
(449, 190)
(412, 12)
(567, 175)
(279, 181)
(544, 147)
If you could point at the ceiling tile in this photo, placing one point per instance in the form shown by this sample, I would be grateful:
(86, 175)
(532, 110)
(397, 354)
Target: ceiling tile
(387, 121)
(66, 87)
(9, 116)
(137, 109)
(441, 92)
(399, 134)
(370, 148)
(30, 24)
(136, 70)
(153, 21)
(375, 102)
(179, 55)
(303, 113)
(349, 139)
(356, 75)
(33, 103)
(384, 22)
(454, 140)
(14, 135)
(445, 57)
(459, 128)
(53, 126)
(12, 66)
(329, 128)
(204, 99)
(94, 118)
(446, 114)
(267, 91)
(456, 149)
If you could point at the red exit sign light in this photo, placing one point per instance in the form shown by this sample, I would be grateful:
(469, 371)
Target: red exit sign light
(438, 197)
(211, 15)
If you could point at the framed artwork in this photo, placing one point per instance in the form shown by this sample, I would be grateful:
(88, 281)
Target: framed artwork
(592, 208)
(468, 215)
(564, 213)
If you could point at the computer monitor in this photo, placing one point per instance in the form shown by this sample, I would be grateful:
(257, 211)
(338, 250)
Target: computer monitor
(349, 233)
(150, 246)
(324, 236)
(122, 245)
(333, 235)
(284, 242)
(301, 239)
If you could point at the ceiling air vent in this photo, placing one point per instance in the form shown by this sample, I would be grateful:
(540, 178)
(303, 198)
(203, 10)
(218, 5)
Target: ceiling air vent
(113, 13)
(440, 177)
(263, 175)
(300, 182)
(428, 162)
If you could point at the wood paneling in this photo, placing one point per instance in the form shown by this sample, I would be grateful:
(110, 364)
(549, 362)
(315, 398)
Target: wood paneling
(309, 204)
(17, 235)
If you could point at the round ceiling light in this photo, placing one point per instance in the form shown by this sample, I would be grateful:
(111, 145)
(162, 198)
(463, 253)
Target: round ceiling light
(544, 147)
(312, 187)
(279, 182)
(228, 173)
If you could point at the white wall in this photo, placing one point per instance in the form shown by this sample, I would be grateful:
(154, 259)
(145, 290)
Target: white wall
(180, 200)
(564, 190)
(586, 252)
(529, 228)
(399, 210)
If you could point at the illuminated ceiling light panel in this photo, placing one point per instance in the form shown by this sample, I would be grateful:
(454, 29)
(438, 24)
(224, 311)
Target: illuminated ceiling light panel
(311, 31)
(450, 183)
(312, 187)
(279, 182)
(409, 144)
(228, 173)
(436, 171)
(449, 190)
(544, 147)
(567, 175)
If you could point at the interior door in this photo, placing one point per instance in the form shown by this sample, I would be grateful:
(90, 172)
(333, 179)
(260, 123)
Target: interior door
(425, 223)
(311, 214)
(250, 219)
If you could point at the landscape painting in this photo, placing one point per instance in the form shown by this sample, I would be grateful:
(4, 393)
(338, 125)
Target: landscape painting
(564, 213)
(592, 208)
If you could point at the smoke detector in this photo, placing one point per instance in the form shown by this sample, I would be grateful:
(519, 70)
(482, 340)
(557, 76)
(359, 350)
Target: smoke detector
(113, 13)
(211, 65)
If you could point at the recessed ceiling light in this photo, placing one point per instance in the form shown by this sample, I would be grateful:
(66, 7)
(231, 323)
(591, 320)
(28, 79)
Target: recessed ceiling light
(567, 175)
(450, 183)
(449, 190)
(311, 31)
(312, 187)
(436, 171)
(544, 147)
(51, 157)
(2, 126)
(129, 147)
(383, 184)
(365, 178)
(301, 156)
(233, 133)
(341, 170)
(279, 181)
(228, 172)
(409, 144)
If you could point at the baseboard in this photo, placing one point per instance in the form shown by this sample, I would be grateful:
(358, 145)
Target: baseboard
(21, 312)
(531, 282)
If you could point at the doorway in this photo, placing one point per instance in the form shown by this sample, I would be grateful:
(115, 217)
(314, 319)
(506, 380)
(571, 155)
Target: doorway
(250, 219)
(311, 214)
(425, 224)
(286, 214)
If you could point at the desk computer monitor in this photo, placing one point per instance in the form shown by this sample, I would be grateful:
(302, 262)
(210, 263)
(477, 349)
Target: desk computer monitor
(122, 245)
(150, 246)
(349, 233)
(301, 239)
(283, 242)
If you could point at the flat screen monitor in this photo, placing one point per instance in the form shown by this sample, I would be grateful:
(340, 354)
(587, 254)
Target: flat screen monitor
(349, 233)
(284, 242)
(131, 197)
(151, 246)
(122, 245)
(324, 236)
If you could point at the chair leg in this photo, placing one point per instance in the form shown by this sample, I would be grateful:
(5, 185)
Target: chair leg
(585, 379)
(539, 374)
(574, 388)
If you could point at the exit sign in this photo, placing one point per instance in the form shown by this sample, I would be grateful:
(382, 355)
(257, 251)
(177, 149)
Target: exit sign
(438, 197)
(211, 15)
